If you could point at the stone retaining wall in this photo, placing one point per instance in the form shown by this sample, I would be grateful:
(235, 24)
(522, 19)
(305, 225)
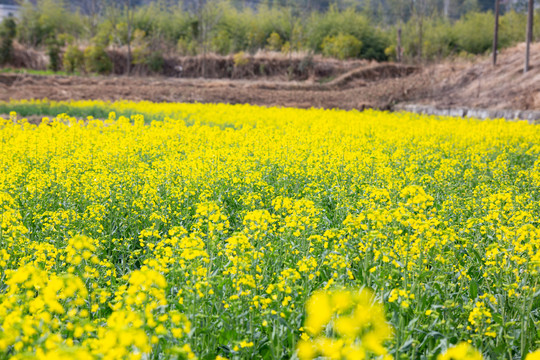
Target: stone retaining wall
(533, 117)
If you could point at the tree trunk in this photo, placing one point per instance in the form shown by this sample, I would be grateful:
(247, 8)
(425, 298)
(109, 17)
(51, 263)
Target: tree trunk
(398, 47)
(421, 12)
(446, 8)
(202, 35)
(204, 41)
(128, 12)
(420, 36)
(496, 33)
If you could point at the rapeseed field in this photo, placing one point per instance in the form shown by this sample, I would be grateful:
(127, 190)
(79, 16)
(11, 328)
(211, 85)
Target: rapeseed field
(183, 231)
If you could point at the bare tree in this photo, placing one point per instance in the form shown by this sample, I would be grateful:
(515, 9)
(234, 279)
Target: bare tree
(397, 12)
(112, 14)
(399, 51)
(114, 11)
(208, 14)
(420, 9)
(94, 9)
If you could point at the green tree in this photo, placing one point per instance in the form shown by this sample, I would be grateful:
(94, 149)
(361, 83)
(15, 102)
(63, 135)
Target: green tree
(8, 30)
(96, 60)
(54, 47)
(47, 19)
(349, 22)
(474, 32)
(73, 59)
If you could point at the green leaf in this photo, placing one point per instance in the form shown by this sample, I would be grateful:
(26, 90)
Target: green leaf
(473, 289)
(477, 255)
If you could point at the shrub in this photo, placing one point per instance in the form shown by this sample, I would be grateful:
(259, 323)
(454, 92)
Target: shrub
(274, 42)
(391, 52)
(155, 62)
(286, 48)
(96, 60)
(240, 59)
(512, 29)
(145, 51)
(334, 22)
(474, 32)
(73, 59)
(221, 43)
(141, 48)
(439, 39)
(186, 46)
(342, 46)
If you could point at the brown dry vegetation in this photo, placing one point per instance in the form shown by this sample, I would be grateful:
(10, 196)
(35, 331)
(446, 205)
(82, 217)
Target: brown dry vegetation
(28, 58)
(355, 85)
(481, 85)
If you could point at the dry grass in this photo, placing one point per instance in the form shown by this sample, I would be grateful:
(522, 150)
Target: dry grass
(482, 85)
(29, 58)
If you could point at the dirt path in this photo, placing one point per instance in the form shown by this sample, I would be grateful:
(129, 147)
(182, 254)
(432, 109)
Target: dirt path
(464, 84)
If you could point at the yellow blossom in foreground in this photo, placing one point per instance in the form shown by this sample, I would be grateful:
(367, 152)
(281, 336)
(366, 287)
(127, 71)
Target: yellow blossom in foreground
(356, 320)
(533, 356)
(462, 351)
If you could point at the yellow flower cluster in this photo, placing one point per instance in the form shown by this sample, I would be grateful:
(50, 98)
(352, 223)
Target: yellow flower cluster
(144, 230)
(50, 316)
(356, 320)
(462, 351)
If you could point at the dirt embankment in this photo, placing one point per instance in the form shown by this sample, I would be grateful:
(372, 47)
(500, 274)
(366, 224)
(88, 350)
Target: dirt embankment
(370, 86)
(267, 65)
(359, 85)
(481, 85)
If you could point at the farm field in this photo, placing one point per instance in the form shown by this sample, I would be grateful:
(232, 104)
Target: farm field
(386, 86)
(139, 230)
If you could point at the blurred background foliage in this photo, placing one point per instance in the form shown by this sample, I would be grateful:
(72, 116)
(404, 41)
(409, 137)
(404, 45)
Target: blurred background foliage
(430, 29)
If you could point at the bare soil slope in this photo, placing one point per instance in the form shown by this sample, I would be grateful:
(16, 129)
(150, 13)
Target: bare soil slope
(481, 85)
(452, 84)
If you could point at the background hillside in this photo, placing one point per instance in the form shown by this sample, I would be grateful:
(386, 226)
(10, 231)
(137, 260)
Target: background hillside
(347, 54)
(78, 35)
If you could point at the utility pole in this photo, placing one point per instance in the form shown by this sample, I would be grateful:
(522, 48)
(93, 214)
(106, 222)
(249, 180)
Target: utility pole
(421, 12)
(202, 33)
(529, 35)
(129, 14)
(496, 33)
